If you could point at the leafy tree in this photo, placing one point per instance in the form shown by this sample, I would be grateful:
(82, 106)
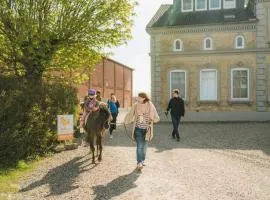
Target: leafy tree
(42, 35)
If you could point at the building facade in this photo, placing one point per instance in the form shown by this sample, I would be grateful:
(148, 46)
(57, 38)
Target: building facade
(217, 52)
(109, 77)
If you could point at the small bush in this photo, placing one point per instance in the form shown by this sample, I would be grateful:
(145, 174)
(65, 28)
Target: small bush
(28, 117)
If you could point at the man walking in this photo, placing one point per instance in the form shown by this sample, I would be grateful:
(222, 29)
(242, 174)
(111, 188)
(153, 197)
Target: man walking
(177, 108)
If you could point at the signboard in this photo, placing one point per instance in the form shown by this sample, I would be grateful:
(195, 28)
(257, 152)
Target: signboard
(65, 127)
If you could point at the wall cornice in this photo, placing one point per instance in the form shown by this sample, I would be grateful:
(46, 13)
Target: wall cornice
(203, 28)
(262, 1)
(213, 52)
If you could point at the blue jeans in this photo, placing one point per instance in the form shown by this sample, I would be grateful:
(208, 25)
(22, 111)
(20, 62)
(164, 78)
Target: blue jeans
(175, 121)
(139, 135)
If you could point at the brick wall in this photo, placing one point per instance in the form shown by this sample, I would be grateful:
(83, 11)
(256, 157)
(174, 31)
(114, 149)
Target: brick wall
(109, 77)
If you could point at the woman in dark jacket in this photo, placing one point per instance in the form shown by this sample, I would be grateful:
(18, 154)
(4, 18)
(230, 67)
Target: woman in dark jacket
(113, 105)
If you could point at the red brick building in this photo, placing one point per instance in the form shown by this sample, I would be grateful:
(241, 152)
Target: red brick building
(109, 77)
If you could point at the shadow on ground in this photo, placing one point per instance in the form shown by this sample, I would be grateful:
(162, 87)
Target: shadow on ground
(61, 179)
(232, 136)
(116, 187)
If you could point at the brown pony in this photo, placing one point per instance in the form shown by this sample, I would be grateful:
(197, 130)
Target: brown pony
(95, 127)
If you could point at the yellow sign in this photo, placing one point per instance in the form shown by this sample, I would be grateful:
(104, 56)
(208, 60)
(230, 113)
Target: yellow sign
(65, 127)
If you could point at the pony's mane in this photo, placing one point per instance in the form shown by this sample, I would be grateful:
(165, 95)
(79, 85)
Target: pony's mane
(104, 109)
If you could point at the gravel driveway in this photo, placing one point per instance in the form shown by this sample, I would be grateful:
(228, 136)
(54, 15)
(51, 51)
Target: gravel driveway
(213, 161)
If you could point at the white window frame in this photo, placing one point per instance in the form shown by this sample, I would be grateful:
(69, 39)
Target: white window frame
(234, 6)
(248, 84)
(210, 8)
(174, 45)
(205, 70)
(182, 6)
(183, 71)
(204, 43)
(205, 6)
(236, 42)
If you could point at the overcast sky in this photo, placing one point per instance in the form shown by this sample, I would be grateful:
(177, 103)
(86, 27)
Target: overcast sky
(136, 53)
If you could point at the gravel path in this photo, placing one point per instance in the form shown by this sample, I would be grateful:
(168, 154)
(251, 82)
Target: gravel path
(213, 161)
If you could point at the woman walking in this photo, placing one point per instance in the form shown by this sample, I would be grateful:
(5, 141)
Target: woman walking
(113, 106)
(143, 114)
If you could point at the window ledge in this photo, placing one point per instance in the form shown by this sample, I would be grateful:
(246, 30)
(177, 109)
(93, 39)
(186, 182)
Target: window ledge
(233, 101)
(208, 102)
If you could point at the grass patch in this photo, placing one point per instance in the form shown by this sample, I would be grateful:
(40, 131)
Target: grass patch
(11, 177)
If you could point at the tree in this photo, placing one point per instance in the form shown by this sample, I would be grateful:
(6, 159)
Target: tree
(36, 35)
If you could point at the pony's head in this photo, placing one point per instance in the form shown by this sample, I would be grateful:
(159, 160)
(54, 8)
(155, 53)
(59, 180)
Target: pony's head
(105, 114)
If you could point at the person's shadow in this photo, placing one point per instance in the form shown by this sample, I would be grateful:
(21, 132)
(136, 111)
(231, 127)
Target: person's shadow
(61, 178)
(116, 186)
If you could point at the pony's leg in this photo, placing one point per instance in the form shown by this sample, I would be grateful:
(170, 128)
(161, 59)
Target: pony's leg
(92, 147)
(97, 146)
(99, 143)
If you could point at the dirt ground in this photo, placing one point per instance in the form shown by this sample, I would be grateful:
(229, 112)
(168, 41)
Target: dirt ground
(213, 161)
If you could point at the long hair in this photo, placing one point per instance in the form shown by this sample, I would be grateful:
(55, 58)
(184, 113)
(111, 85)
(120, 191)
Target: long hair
(145, 96)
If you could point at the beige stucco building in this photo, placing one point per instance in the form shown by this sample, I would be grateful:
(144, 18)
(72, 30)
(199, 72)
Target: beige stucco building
(217, 52)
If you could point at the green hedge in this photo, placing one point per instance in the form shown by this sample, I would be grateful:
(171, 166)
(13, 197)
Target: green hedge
(28, 116)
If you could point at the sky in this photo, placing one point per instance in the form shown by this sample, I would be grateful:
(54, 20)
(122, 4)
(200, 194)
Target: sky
(136, 53)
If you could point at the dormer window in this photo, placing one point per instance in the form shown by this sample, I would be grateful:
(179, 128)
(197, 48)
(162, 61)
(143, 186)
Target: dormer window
(214, 4)
(178, 45)
(227, 4)
(187, 5)
(239, 42)
(208, 43)
(201, 4)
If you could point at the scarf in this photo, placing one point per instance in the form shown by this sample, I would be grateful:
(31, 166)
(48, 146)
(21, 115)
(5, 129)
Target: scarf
(145, 108)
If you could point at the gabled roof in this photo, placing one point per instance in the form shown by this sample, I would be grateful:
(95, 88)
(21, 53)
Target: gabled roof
(174, 17)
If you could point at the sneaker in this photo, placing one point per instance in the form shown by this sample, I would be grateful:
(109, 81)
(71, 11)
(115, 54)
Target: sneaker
(139, 166)
(111, 136)
(178, 139)
(143, 163)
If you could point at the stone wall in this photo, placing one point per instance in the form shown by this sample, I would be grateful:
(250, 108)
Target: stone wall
(193, 64)
(194, 41)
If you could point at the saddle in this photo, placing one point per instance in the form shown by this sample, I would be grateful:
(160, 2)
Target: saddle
(89, 114)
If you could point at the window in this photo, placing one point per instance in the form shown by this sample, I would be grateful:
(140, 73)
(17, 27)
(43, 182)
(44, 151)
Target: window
(214, 4)
(228, 4)
(187, 5)
(240, 84)
(201, 4)
(208, 43)
(178, 81)
(178, 45)
(239, 42)
(208, 84)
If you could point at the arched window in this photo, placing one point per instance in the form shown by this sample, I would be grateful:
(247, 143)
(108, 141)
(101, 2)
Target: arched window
(240, 83)
(178, 45)
(208, 43)
(208, 84)
(178, 80)
(228, 4)
(239, 42)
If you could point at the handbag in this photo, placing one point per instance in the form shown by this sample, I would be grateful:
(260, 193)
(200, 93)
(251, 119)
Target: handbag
(148, 133)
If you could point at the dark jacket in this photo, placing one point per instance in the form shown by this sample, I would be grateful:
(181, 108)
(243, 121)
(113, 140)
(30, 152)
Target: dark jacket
(177, 106)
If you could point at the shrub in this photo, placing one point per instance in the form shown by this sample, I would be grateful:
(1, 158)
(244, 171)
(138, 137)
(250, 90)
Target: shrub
(28, 117)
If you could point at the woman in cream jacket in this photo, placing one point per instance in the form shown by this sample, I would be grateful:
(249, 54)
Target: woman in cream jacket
(142, 114)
